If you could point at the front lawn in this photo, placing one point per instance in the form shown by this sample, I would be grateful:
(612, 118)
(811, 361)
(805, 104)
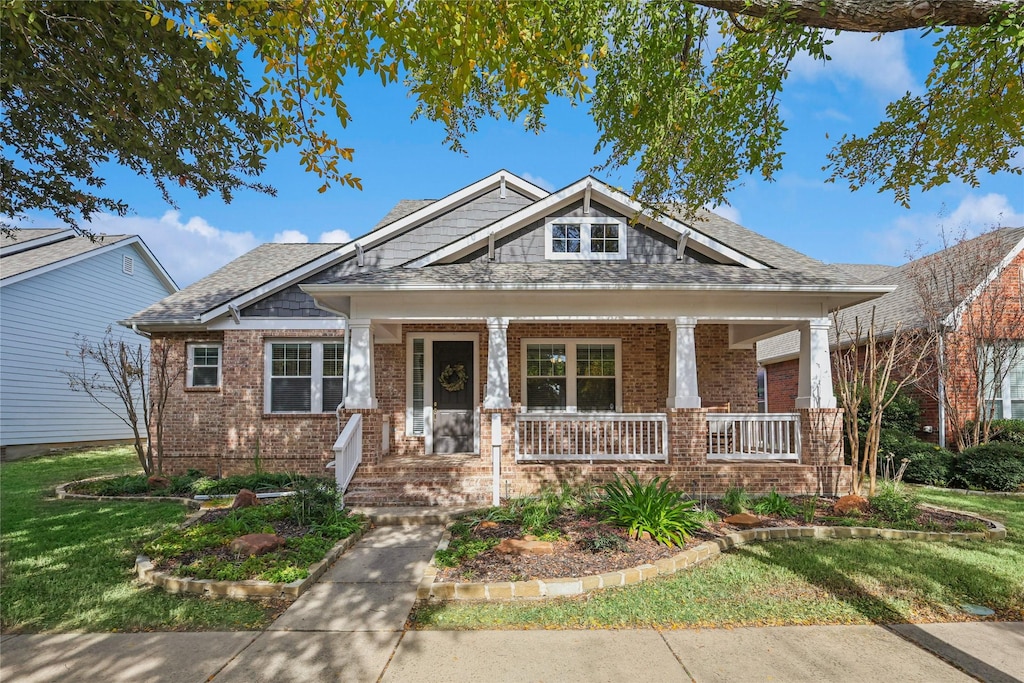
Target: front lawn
(795, 582)
(67, 565)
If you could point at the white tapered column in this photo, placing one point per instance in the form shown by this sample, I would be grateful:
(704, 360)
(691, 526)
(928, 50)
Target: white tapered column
(815, 385)
(496, 394)
(682, 382)
(362, 394)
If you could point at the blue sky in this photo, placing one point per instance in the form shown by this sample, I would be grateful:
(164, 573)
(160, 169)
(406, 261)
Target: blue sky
(399, 159)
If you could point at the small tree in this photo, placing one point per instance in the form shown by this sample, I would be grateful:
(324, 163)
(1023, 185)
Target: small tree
(121, 388)
(977, 324)
(872, 366)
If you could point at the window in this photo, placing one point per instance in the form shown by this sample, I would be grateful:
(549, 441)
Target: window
(204, 365)
(585, 238)
(1004, 380)
(304, 376)
(571, 375)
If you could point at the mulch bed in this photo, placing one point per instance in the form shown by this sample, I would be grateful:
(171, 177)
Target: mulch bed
(574, 555)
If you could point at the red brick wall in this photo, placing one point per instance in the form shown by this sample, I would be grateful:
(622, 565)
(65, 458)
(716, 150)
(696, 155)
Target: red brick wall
(783, 383)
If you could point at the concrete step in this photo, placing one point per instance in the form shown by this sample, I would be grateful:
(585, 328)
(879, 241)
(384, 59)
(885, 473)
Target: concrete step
(407, 515)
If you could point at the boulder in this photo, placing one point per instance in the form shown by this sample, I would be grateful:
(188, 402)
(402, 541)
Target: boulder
(851, 505)
(256, 544)
(158, 481)
(743, 520)
(514, 546)
(245, 499)
(487, 524)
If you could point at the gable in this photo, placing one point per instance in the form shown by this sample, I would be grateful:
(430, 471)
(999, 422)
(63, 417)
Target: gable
(530, 243)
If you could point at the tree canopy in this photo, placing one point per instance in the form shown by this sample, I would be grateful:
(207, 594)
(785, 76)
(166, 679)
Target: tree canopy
(686, 91)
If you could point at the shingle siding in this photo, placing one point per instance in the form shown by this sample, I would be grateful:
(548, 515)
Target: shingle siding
(38, 322)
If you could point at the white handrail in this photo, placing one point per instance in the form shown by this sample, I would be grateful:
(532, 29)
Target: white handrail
(592, 436)
(348, 452)
(754, 436)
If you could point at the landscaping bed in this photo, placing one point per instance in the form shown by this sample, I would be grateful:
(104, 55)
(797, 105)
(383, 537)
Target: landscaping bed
(584, 543)
(193, 483)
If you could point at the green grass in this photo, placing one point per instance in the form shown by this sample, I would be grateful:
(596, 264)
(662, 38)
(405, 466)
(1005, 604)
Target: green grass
(68, 565)
(795, 582)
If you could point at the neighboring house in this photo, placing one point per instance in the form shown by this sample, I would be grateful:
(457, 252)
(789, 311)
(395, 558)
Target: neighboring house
(981, 277)
(54, 284)
(504, 338)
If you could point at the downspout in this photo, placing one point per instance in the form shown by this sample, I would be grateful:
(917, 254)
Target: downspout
(942, 390)
(136, 330)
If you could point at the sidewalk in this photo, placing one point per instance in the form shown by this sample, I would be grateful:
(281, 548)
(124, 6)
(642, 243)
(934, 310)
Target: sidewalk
(350, 627)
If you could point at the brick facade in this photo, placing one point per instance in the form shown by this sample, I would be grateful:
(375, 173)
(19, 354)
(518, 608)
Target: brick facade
(221, 431)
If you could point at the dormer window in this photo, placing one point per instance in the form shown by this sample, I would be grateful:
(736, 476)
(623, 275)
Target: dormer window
(573, 238)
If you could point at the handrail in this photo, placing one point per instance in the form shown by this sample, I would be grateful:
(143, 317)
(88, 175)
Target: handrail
(348, 451)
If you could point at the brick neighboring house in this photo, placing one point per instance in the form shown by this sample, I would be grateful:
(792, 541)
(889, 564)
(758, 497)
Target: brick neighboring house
(503, 338)
(982, 277)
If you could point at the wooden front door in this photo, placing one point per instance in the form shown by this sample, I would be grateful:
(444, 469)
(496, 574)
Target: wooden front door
(453, 396)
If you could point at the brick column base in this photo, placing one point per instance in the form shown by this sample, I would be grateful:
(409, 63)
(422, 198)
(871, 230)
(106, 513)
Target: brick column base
(687, 436)
(821, 444)
(508, 443)
(373, 435)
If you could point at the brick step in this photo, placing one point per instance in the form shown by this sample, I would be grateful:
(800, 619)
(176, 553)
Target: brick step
(418, 490)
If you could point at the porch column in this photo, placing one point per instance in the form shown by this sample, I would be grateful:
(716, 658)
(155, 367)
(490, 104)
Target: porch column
(362, 393)
(682, 380)
(496, 393)
(815, 386)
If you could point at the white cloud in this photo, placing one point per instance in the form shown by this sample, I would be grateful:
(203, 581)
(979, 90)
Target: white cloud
(291, 237)
(916, 233)
(538, 181)
(729, 213)
(878, 63)
(188, 250)
(335, 237)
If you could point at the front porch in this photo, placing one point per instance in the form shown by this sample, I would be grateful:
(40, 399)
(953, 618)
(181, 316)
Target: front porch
(660, 422)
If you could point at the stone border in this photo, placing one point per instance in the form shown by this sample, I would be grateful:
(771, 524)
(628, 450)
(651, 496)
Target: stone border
(971, 492)
(62, 493)
(242, 590)
(561, 587)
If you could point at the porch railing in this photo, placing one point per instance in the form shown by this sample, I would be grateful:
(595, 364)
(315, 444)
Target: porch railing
(348, 452)
(754, 436)
(592, 436)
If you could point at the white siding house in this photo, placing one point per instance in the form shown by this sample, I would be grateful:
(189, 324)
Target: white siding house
(54, 284)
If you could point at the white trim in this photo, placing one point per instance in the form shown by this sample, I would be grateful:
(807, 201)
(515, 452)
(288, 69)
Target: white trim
(428, 384)
(316, 377)
(380, 235)
(571, 378)
(610, 197)
(953, 319)
(35, 242)
(278, 324)
(585, 239)
(190, 362)
(133, 241)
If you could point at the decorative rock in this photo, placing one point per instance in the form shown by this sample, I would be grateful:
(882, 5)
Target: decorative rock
(256, 544)
(245, 499)
(512, 546)
(744, 520)
(487, 524)
(158, 481)
(851, 504)
(530, 537)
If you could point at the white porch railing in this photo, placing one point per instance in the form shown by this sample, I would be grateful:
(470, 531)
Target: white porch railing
(754, 436)
(591, 436)
(348, 452)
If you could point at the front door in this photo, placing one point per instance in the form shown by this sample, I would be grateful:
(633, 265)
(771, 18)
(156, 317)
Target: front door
(453, 397)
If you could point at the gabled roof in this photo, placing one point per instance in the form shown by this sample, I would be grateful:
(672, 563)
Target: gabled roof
(272, 267)
(586, 189)
(47, 249)
(970, 261)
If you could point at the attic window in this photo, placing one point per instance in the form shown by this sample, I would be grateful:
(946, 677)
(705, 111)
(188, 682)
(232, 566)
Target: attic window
(573, 238)
(127, 265)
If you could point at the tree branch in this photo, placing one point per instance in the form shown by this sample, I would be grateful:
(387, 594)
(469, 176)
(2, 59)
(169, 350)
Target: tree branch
(870, 16)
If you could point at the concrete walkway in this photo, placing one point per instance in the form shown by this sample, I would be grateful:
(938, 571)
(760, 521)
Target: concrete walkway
(351, 627)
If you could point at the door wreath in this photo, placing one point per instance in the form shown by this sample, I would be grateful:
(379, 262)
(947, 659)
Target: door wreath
(453, 378)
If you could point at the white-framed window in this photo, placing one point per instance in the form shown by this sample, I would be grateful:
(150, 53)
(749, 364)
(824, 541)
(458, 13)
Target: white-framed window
(572, 375)
(204, 365)
(304, 376)
(596, 238)
(1004, 379)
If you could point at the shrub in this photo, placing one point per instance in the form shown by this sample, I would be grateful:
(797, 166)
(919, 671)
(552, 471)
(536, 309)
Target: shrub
(604, 543)
(315, 501)
(650, 507)
(1011, 431)
(894, 503)
(928, 464)
(996, 466)
(808, 508)
(775, 504)
(736, 500)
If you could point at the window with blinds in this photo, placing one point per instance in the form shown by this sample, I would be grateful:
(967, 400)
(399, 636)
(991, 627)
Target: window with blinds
(305, 376)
